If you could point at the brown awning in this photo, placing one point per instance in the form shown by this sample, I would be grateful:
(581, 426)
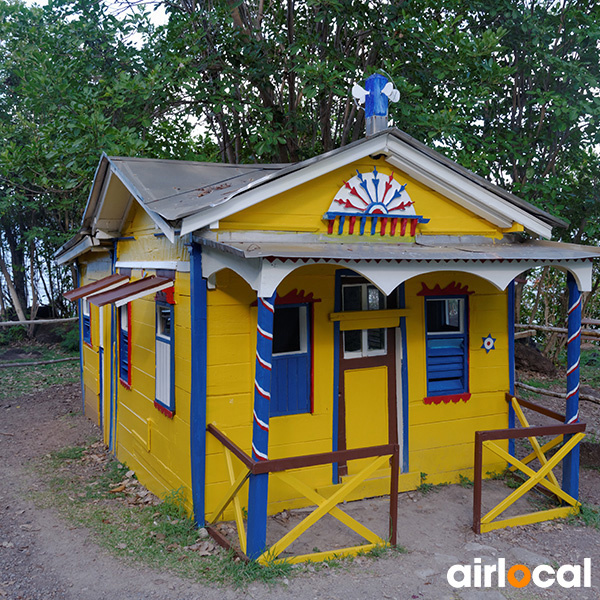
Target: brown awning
(102, 285)
(132, 291)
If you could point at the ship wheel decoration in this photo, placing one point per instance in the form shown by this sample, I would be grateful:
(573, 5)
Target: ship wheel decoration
(377, 197)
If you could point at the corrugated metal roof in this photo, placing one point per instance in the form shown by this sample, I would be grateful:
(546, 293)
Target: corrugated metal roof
(132, 291)
(286, 249)
(175, 188)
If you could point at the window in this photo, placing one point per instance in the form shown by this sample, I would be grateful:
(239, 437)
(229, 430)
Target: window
(365, 342)
(165, 358)
(125, 344)
(291, 385)
(447, 346)
(86, 320)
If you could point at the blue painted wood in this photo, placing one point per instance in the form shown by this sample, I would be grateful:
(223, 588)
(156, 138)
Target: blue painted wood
(101, 384)
(376, 103)
(124, 355)
(198, 291)
(570, 481)
(259, 484)
(114, 384)
(290, 394)
(78, 283)
(511, 360)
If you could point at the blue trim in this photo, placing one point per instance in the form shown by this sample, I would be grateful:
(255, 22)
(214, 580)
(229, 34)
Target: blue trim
(198, 293)
(570, 480)
(404, 374)
(80, 322)
(291, 383)
(447, 366)
(101, 384)
(258, 492)
(114, 384)
(511, 360)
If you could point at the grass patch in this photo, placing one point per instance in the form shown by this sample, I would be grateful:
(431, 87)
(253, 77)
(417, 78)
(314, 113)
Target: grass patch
(426, 488)
(17, 381)
(464, 481)
(589, 516)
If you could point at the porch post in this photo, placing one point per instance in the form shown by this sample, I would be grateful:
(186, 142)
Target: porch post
(259, 484)
(570, 481)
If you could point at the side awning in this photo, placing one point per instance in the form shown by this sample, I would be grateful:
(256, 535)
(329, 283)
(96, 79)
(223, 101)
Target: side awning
(102, 285)
(132, 291)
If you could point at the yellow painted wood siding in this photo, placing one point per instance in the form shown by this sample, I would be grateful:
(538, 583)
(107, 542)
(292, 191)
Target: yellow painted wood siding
(302, 208)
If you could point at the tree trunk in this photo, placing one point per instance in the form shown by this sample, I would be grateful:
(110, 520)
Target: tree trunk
(12, 290)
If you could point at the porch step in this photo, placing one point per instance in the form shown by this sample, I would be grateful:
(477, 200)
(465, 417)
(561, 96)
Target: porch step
(377, 485)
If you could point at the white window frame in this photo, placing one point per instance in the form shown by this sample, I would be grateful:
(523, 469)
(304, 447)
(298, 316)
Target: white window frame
(364, 352)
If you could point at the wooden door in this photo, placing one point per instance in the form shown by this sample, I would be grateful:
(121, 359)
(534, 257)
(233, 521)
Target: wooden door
(367, 393)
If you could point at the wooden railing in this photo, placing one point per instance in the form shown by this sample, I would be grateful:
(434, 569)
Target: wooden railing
(543, 477)
(280, 467)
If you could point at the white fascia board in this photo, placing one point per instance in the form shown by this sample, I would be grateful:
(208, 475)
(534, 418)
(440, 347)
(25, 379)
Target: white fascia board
(156, 218)
(80, 248)
(166, 265)
(152, 290)
(463, 191)
(243, 200)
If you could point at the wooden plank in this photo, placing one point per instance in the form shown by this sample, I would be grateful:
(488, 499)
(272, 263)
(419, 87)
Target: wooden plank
(310, 460)
(556, 490)
(527, 519)
(216, 535)
(340, 515)
(229, 496)
(247, 460)
(237, 507)
(536, 407)
(321, 556)
(548, 446)
(322, 509)
(535, 479)
(533, 440)
(35, 364)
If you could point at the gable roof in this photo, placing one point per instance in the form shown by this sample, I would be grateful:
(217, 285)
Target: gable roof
(192, 195)
(471, 191)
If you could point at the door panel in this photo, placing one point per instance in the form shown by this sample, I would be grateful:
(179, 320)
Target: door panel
(367, 402)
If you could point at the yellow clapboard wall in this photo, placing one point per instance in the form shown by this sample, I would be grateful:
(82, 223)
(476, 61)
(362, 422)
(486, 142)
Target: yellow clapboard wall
(302, 208)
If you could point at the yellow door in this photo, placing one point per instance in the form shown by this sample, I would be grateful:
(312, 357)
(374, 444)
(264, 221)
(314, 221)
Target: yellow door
(367, 399)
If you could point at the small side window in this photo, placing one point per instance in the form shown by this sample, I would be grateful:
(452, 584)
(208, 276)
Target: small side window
(86, 321)
(165, 358)
(125, 344)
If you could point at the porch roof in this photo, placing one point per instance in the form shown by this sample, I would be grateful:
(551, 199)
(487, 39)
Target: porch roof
(265, 261)
(425, 248)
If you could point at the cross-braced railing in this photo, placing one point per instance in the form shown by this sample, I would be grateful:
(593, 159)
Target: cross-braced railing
(280, 468)
(569, 434)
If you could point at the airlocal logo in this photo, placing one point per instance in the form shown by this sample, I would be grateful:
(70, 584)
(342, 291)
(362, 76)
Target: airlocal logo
(519, 576)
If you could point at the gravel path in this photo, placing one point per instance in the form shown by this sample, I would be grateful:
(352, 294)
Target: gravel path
(42, 557)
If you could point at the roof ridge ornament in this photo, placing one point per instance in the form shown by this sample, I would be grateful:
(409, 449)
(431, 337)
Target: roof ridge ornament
(376, 96)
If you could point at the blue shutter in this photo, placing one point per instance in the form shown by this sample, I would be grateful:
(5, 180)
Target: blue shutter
(446, 365)
(124, 356)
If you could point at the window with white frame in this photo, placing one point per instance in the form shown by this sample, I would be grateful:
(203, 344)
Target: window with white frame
(165, 356)
(363, 342)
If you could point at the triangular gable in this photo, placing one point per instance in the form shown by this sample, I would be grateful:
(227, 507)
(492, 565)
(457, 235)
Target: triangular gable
(400, 151)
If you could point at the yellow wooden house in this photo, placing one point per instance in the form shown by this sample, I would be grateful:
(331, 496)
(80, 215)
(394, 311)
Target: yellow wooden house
(351, 308)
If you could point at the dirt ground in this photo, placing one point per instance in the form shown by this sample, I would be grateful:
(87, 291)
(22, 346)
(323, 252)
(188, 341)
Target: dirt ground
(42, 557)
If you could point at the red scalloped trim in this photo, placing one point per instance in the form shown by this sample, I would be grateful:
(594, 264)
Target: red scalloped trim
(452, 289)
(447, 399)
(164, 410)
(293, 297)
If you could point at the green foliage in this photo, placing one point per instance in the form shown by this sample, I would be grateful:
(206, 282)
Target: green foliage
(588, 516)
(464, 481)
(425, 488)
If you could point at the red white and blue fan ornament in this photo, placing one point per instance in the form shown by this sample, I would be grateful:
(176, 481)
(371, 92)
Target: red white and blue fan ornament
(373, 194)
(489, 343)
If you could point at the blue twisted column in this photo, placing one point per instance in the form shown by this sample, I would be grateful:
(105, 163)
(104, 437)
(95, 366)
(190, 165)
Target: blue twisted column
(570, 482)
(259, 484)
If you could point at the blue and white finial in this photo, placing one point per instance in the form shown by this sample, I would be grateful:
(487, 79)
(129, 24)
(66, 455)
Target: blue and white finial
(376, 95)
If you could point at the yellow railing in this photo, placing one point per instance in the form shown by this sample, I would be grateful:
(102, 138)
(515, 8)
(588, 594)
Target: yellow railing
(543, 477)
(280, 468)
